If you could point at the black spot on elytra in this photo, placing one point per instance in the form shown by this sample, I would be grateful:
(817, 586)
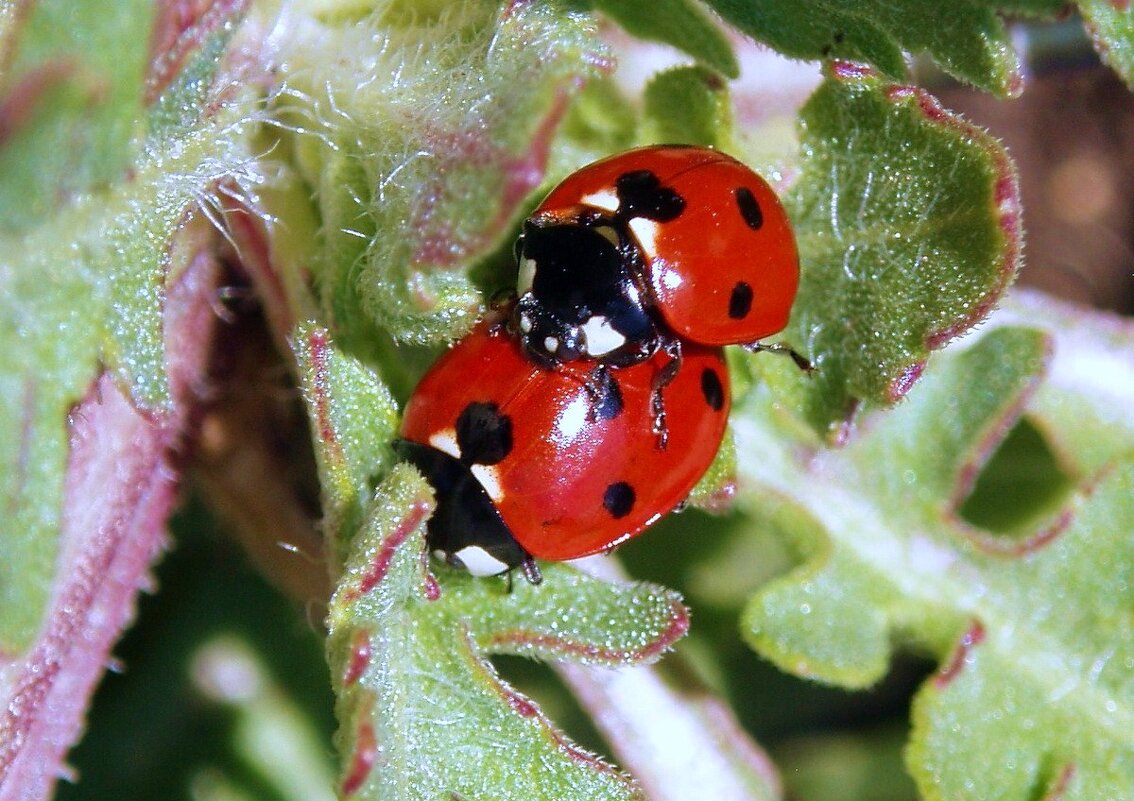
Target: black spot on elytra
(740, 301)
(712, 389)
(640, 194)
(749, 209)
(484, 435)
(618, 499)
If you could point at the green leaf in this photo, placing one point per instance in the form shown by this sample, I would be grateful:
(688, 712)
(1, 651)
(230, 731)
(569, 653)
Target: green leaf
(419, 703)
(85, 288)
(601, 120)
(1083, 408)
(716, 488)
(1111, 26)
(689, 105)
(1033, 696)
(423, 147)
(967, 37)
(908, 225)
(77, 72)
(681, 23)
(830, 620)
(353, 419)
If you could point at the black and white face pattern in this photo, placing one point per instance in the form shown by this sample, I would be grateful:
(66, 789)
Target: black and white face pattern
(466, 529)
(579, 283)
(579, 297)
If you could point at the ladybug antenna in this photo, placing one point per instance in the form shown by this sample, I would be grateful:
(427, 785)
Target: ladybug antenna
(798, 358)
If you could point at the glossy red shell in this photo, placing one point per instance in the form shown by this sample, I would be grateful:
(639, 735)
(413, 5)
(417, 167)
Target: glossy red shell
(550, 488)
(695, 261)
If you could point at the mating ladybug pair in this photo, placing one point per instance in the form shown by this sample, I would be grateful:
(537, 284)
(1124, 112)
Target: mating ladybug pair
(601, 399)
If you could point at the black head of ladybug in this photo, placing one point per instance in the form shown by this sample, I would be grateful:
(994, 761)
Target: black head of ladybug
(579, 295)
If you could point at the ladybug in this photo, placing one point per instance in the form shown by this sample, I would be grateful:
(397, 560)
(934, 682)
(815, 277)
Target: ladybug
(533, 463)
(651, 248)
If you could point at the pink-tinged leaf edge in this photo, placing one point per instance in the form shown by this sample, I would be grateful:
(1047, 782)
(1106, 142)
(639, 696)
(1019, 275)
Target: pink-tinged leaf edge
(119, 489)
(994, 435)
(526, 708)
(524, 640)
(441, 247)
(179, 30)
(1006, 198)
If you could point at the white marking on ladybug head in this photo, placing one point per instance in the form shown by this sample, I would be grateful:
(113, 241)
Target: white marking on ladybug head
(600, 337)
(489, 479)
(525, 276)
(646, 232)
(479, 562)
(604, 199)
(551, 344)
(446, 440)
(525, 324)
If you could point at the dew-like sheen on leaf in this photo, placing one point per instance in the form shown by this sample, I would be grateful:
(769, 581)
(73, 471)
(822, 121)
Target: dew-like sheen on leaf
(422, 138)
(422, 712)
(1033, 697)
(966, 37)
(908, 225)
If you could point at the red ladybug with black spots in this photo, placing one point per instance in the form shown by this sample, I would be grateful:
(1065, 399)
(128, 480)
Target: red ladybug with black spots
(557, 464)
(650, 249)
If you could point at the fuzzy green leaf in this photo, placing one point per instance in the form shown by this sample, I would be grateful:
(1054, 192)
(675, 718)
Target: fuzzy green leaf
(1111, 25)
(86, 287)
(419, 703)
(78, 70)
(419, 169)
(1092, 384)
(908, 226)
(681, 23)
(690, 105)
(967, 38)
(353, 418)
(1034, 697)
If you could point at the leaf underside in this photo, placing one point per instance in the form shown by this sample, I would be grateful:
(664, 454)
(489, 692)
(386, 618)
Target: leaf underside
(908, 226)
(1034, 692)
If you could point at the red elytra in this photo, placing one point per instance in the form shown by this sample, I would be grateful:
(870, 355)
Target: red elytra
(724, 269)
(579, 470)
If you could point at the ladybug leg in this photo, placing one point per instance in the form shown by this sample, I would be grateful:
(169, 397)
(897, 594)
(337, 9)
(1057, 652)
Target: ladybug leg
(530, 570)
(606, 397)
(662, 380)
(797, 358)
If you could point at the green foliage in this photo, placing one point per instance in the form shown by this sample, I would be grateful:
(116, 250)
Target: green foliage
(689, 105)
(1036, 689)
(1111, 25)
(908, 227)
(966, 38)
(84, 286)
(416, 690)
(85, 76)
(681, 23)
(419, 170)
(222, 709)
(402, 141)
(353, 419)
